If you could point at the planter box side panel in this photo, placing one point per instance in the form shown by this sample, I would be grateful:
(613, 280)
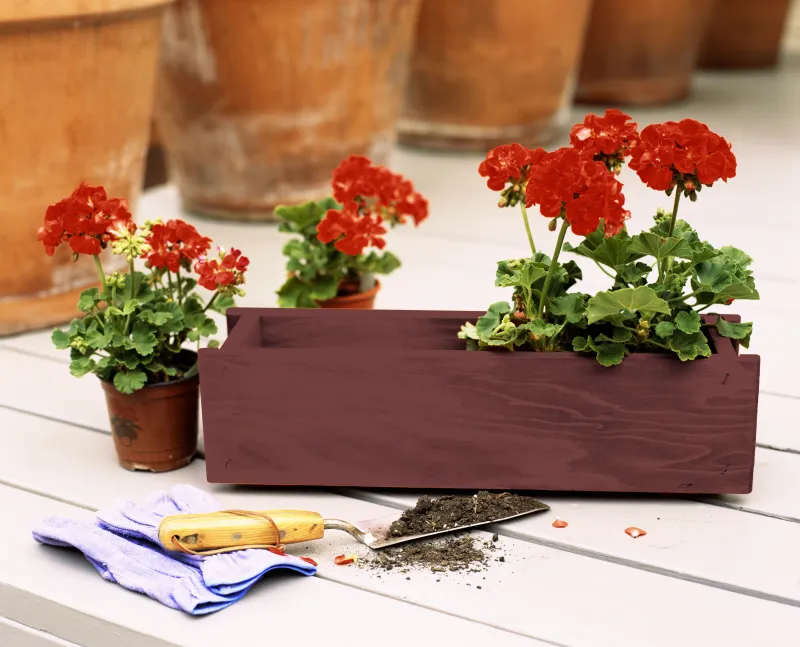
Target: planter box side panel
(453, 419)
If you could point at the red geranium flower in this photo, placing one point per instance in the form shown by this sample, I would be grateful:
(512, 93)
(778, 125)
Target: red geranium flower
(370, 195)
(225, 272)
(608, 139)
(581, 186)
(84, 220)
(174, 241)
(683, 153)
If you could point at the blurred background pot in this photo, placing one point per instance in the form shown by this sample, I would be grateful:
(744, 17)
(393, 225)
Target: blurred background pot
(260, 100)
(642, 52)
(742, 35)
(76, 94)
(488, 72)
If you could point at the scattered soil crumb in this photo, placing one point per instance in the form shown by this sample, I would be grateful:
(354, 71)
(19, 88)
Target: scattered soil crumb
(453, 511)
(454, 553)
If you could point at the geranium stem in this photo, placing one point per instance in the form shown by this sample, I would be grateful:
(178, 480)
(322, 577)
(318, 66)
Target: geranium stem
(668, 261)
(178, 282)
(674, 211)
(211, 302)
(527, 227)
(100, 272)
(549, 278)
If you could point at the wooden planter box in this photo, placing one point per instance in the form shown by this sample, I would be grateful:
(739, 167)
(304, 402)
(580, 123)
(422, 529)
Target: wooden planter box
(390, 399)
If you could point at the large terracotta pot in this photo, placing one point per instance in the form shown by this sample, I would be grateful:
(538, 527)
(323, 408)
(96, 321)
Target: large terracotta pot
(260, 99)
(641, 52)
(76, 92)
(744, 35)
(489, 72)
(155, 429)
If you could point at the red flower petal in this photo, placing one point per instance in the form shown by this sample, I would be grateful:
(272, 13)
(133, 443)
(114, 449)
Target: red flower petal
(309, 560)
(341, 560)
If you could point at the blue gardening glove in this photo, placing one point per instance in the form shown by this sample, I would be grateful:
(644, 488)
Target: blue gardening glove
(225, 573)
(124, 548)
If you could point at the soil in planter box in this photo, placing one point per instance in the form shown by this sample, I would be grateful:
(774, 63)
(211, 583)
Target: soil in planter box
(453, 511)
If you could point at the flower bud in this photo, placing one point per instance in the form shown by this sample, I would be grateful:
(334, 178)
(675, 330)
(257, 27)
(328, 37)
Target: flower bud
(552, 225)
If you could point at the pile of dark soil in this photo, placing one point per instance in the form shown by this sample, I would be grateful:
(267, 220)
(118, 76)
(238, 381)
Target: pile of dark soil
(460, 552)
(454, 511)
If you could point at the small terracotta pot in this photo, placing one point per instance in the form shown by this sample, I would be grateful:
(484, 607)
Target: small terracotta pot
(354, 301)
(155, 429)
(741, 35)
(259, 100)
(76, 96)
(641, 52)
(489, 72)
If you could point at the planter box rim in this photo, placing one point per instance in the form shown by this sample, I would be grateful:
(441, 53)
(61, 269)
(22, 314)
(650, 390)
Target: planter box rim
(16, 12)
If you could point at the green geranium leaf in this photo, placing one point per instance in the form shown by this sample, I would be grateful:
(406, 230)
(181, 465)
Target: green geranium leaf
(213, 343)
(650, 244)
(487, 323)
(571, 306)
(97, 340)
(738, 256)
(60, 339)
(540, 328)
(81, 366)
(688, 321)
(88, 300)
(469, 333)
(713, 275)
(581, 344)
(610, 354)
(302, 216)
(155, 318)
(612, 252)
(144, 341)
(113, 310)
(702, 252)
(619, 336)
(739, 331)
(624, 303)
(689, 347)
(130, 381)
(129, 307)
(222, 303)
(665, 329)
(634, 273)
(523, 277)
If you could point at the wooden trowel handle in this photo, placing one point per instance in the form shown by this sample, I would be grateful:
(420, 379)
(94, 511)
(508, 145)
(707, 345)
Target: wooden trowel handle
(238, 529)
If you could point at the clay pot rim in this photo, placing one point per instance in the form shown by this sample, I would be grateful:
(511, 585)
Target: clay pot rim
(35, 10)
(358, 296)
(157, 391)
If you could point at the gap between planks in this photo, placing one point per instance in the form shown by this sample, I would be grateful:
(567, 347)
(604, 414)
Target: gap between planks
(388, 501)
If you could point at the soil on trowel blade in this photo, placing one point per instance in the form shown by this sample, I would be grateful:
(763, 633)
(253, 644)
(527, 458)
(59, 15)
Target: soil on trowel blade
(455, 511)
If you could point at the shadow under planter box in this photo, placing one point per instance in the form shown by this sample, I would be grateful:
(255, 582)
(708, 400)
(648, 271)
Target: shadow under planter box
(390, 399)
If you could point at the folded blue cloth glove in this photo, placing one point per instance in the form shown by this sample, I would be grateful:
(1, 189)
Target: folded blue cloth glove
(122, 544)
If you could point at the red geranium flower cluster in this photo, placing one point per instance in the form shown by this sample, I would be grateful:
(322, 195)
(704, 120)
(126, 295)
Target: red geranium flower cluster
(173, 242)
(226, 271)
(370, 195)
(608, 139)
(580, 186)
(682, 153)
(84, 220)
(508, 163)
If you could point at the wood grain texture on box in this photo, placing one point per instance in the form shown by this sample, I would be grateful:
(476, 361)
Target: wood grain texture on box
(391, 399)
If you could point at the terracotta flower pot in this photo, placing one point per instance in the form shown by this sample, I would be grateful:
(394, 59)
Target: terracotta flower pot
(740, 35)
(260, 99)
(355, 300)
(76, 93)
(486, 72)
(155, 429)
(641, 52)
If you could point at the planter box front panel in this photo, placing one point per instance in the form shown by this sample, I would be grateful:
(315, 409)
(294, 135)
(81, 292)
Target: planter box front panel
(391, 399)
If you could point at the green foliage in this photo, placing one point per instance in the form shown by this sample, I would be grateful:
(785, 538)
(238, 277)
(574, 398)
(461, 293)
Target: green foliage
(316, 270)
(132, 333)
(662, 285)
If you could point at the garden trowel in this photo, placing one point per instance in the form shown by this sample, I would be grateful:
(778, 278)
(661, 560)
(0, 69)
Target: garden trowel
(231, 530)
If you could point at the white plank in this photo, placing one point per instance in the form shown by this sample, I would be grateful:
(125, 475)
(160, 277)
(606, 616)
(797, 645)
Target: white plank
(13, 634)
(616, 605)
(57, 591)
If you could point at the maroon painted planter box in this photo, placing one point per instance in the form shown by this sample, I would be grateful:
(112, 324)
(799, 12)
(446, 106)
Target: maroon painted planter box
(381, 398)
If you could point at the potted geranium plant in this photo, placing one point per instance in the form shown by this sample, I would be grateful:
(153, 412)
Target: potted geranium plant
(327, 265)
(135, 327)
(640, 387)
(664, 279)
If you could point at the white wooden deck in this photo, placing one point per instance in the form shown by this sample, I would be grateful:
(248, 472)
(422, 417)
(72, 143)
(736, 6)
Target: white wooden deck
(720, 571)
